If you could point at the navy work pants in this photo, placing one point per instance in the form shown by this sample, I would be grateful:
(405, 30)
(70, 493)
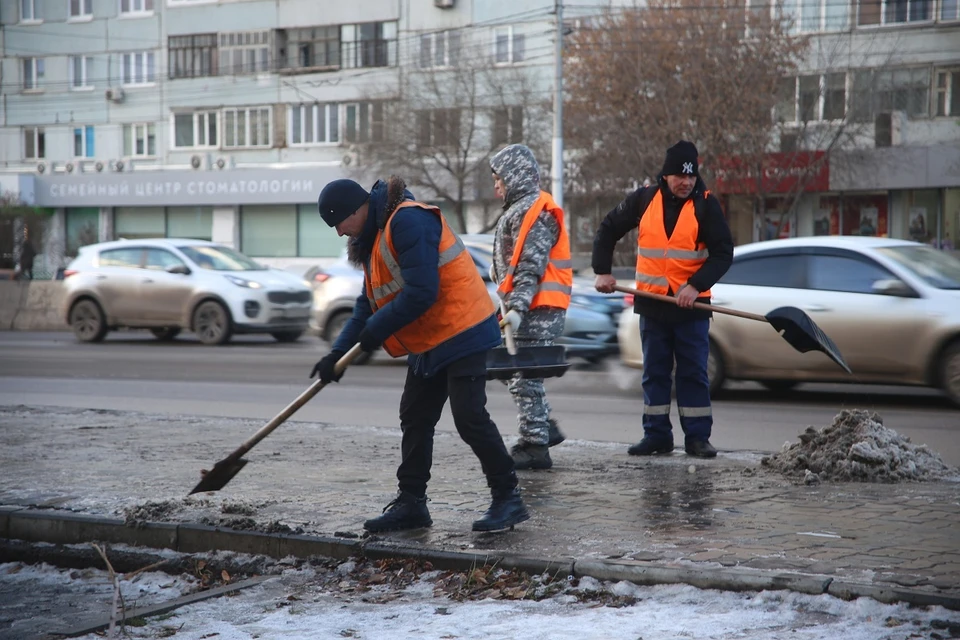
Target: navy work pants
(685, 343)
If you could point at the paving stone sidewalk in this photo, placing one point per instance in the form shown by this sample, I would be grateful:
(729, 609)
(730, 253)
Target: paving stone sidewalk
(596, 503)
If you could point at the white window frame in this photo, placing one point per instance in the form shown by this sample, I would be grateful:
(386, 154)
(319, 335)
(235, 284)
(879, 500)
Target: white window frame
(513, 51)
(821, 101)
(934, 5)
(261, 43)
(136, 8)
(351, 44)
(147, 64)
(371, 109)
(328, 111)
(32, 70)
(33, 19)
(37, 134)
(85, 62)
(85, 10)
(952, 87)
(138, 131)
(943, 17)
(201, 124)
(264, 114)
(84, 139)
(435, 50)
(822, 7)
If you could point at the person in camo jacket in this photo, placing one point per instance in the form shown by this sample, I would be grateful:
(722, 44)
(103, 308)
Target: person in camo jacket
(533, 270)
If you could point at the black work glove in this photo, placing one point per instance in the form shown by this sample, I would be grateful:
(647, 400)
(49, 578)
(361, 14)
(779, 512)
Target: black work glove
(367, 342)
(324, 368)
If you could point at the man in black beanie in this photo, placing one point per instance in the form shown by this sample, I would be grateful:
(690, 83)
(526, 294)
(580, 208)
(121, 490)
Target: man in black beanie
(423, 298)
(684, 247)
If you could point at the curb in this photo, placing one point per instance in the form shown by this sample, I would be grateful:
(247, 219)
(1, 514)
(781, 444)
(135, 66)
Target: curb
(54, 527)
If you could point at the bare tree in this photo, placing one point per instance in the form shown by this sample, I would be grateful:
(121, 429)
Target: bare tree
(440, 133)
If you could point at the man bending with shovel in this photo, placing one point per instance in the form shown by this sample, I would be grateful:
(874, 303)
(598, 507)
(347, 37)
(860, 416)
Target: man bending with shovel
(683, 248)
(422, 298)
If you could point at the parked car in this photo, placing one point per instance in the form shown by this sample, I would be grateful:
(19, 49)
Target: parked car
(168, 285)
(588, 333)
(891, 306)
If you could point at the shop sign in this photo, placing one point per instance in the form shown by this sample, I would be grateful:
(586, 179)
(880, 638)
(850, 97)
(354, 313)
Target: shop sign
(781, 173)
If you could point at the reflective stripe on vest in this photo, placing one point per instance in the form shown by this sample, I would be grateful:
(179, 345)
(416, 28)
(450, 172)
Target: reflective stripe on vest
(556, 284)
(462, 301)
(665, 264)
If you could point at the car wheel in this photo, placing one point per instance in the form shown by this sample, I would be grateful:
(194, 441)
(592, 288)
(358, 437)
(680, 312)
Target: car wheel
(165, 334)
(286, 336)
(211, 323)
(779, 386)
(88, 321)
(335, 325)
(715, 369)
(950, 372)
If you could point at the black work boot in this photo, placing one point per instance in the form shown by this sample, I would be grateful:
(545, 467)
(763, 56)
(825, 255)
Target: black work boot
(530, 456)
(650, 446)
(700, 449)
(555, 435)
(406, 511)
(506, 510)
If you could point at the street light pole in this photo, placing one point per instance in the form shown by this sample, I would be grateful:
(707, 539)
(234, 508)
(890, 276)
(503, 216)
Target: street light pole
(557, 166)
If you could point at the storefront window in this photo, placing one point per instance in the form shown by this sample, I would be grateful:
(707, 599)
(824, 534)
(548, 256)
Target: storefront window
(190, 222)
(865, 215)
(83, 228)
(268, 231)
(138, 222)
(921, 210)
(314, 238)
(951, 219)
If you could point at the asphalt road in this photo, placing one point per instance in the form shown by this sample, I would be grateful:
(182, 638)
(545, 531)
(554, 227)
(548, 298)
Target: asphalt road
(255, 377)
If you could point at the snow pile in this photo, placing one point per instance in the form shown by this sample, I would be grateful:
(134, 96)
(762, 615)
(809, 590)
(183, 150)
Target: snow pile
(857, 447)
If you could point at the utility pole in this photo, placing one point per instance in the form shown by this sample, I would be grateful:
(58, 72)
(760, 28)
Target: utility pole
(556, 170)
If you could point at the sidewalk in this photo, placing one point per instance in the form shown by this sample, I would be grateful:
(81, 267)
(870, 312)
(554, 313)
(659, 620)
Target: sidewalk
(727, 522)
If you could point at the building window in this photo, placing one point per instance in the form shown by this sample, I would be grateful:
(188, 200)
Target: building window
(138, 68)
(439, 128)
(786, 109)
(246, 127)
(136, 6)
(816, 15)
(508, 47)
(32, 73)
(34, 143)
(363, 122)
(268, 231)
(371, 44)
(83, 142)
(310, 48)
(79, 69)
(884, 91)
(245, 52)
(813, 98)
(192, 56)
(948, 92)
(507, 126)
(314, 238)
(195, 129)
(314, 124)
(882, 12)
(28, 11)
(139, 140)
(949, 10)
(81, 8)
(439, 49)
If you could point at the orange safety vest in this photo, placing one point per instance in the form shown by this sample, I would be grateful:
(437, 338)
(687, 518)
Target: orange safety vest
(462, 302)
(665, 264)
(556, 284)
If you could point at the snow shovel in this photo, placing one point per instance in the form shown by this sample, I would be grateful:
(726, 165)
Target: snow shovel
(527, 362)
(794, 326)
(224, 470)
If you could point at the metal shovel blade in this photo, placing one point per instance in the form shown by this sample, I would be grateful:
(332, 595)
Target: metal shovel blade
(529, 362)
(803, 334)
(218, 477)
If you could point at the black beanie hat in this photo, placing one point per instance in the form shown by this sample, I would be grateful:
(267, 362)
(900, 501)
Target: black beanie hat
(682, 160)
(339, 200)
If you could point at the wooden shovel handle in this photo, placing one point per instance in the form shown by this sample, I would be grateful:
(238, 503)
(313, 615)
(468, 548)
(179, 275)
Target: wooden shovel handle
(696, 305)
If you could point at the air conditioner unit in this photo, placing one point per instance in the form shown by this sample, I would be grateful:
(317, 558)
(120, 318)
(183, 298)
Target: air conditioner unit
(115, 94)
(41, 167)
(70, 167)
(224, 162)
(98, 166)
(349, 159)
(443, 4)
(200, 161)
(118, 166)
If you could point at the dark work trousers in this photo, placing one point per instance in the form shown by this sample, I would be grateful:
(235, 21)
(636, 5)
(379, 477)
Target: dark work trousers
(464, 382)
(688, 345)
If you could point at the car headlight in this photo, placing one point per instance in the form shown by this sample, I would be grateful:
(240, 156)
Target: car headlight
(243, 282)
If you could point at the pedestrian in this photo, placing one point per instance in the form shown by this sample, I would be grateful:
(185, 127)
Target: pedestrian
(27, 256)
(422, 298)
(684, 247)
(532, 266)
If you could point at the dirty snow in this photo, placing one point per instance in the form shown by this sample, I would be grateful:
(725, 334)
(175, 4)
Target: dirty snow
(857, 447)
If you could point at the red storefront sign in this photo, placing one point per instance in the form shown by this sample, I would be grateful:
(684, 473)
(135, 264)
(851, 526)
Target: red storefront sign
(781, 173)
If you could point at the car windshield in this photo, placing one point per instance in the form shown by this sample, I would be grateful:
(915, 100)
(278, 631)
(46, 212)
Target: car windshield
(219, 258)
(936, 268)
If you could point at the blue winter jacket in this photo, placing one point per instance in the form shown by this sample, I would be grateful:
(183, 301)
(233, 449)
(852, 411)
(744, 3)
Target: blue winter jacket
(416, 238)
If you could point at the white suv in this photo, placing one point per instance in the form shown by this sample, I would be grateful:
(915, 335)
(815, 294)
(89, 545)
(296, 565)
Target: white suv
(167, 285)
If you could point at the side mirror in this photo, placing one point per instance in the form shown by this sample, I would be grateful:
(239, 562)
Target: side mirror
(897, 288)
(182, 269)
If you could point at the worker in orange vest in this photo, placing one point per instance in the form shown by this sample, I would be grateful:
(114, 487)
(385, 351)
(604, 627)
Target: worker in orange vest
(422, 298)
(684, 247)
(532, 266)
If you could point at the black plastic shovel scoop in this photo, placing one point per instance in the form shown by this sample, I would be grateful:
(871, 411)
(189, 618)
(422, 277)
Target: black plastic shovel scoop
(793, 325)
(224, 470)
(505, 363)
